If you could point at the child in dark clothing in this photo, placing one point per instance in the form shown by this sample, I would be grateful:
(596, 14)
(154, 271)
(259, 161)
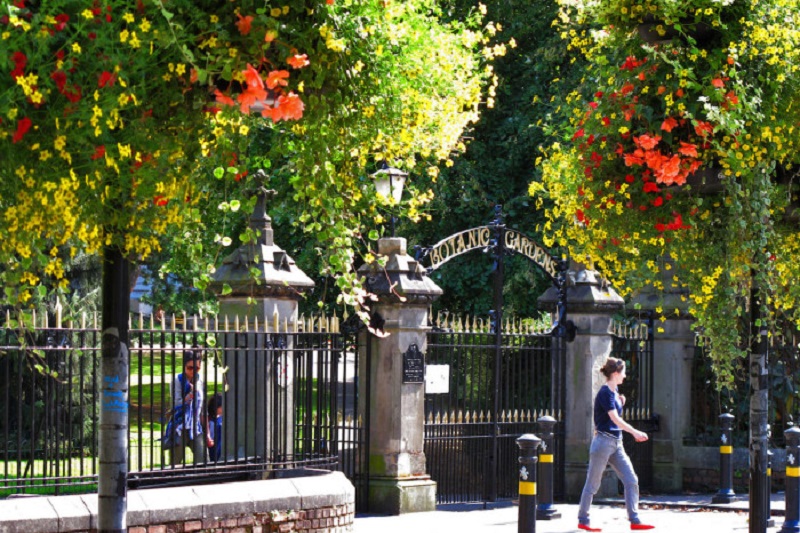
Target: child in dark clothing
(214, 429)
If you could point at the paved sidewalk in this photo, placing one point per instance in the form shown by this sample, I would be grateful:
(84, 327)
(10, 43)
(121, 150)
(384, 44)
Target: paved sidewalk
(683, 514)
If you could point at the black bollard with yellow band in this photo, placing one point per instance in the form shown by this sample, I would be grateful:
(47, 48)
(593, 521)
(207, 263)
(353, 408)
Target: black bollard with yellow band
(545, 509)
(528, 446)
(725, 493)
(792, 521)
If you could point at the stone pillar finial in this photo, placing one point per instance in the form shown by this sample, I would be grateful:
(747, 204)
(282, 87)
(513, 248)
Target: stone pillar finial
(260, 222)
(278, 275)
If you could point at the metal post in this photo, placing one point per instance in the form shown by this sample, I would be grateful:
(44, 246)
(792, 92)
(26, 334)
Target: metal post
(759, 409)
(545, 509)
(725, 493)
(499, 270)
(112, 478)
(528, 445)
(791, 523)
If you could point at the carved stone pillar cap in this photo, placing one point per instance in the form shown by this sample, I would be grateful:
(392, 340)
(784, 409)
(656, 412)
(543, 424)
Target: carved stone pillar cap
(586, 293)
(402, 280)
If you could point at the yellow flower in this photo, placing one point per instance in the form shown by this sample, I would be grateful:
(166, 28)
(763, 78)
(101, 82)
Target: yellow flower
(129, 18)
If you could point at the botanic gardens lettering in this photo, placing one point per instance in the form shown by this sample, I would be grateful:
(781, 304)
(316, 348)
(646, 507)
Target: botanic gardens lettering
(480, 237)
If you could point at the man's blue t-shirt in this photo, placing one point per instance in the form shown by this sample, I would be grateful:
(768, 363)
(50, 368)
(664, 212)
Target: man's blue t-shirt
(605, 401)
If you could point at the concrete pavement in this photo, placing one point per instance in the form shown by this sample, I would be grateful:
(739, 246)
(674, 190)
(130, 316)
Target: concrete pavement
(683, 514)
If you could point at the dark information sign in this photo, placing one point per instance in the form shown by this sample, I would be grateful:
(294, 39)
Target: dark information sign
(413, 365)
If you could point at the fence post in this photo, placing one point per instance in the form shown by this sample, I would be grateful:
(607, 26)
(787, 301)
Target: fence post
(545, 509)
(528, 445)
(725, 493)
(792, 517)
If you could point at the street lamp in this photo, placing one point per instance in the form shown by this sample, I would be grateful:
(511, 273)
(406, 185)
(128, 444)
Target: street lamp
(389, 182)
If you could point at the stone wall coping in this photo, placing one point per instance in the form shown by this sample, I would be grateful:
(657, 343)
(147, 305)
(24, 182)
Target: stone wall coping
(708, 457)
(57, 514)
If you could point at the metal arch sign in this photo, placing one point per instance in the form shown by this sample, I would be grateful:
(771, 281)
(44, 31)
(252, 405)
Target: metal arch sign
(480, 237)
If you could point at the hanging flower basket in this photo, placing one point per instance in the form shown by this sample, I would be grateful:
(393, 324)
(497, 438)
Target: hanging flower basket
(654, 31)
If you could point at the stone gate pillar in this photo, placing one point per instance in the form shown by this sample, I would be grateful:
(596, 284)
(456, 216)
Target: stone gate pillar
(276, 290)
(673, 354)
(591, 303)
(398, 480)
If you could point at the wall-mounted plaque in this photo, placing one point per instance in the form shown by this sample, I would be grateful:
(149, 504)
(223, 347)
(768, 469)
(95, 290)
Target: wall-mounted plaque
(413, 365)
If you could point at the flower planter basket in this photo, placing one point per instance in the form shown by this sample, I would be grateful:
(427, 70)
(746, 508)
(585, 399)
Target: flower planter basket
(648, 30)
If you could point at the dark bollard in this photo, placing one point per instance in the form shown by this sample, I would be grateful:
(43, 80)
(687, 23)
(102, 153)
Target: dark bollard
(768, 502)
(545, 509)
(725, 493)
(528, 445)
(792, 516)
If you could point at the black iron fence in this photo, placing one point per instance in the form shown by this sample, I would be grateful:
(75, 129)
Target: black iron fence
(709, 399)
(287, 398)
(493, 394)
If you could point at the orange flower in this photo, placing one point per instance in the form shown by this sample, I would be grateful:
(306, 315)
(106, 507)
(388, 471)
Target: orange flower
(244, 23)
(718, 83)
(670, 171)
(703, 128)
(223, 98)
(688, 149)
(646, 141)
(288, 107)
(270, 36)
(633, 160)
(277, 78)
(254, 92)
(669, 124)
(298, 61)
(253, 78)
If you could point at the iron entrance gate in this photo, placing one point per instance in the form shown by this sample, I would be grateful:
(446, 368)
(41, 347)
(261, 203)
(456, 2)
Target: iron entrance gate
(501, 377)
(470, 444)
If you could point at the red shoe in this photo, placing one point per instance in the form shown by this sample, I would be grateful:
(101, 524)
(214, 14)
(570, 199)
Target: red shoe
(587, 527)
(637, 527)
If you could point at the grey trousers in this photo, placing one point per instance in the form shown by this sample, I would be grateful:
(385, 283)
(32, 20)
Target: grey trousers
(198, 446)
(606, 450)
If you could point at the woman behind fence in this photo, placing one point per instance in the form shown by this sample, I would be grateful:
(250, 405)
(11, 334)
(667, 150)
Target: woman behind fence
(186, 392)
(607, 449)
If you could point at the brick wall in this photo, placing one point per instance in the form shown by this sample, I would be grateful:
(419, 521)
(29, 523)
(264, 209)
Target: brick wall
(321, 502)
(336, 519)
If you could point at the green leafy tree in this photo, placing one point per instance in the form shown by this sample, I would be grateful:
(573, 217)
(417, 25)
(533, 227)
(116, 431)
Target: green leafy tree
(497, 165)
